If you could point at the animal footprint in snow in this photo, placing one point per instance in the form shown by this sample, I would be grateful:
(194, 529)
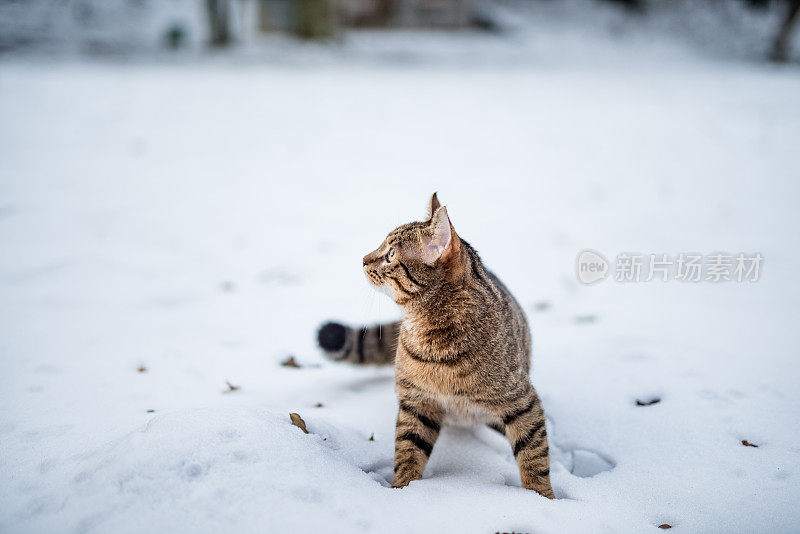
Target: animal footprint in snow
(588, 464)
(381, 472)
(581, 462)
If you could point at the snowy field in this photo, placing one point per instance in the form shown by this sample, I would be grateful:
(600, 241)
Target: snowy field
(168, 228)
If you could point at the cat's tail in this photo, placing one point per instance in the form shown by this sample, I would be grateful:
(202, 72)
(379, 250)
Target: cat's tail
(370, 345)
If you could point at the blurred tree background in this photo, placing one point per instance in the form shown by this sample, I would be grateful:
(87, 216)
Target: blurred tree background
(109, 27)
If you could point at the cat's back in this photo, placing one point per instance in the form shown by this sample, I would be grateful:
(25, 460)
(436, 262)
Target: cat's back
(507, 323)
(515, 330)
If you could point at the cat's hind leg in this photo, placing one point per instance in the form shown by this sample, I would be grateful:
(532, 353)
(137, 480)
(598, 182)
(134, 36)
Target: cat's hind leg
(526, 431)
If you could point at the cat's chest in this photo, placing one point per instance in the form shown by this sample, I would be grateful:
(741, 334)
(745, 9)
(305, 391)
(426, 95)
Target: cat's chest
(449, 386)
(436, 379)
(460, 410)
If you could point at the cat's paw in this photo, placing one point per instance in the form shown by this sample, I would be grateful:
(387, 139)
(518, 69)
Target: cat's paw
(332, 339)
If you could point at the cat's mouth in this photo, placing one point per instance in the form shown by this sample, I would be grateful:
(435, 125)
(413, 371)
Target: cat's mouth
(380, 283)
(373, 277)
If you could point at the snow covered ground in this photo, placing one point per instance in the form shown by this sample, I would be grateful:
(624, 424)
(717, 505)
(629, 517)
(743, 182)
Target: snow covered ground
(166, 228)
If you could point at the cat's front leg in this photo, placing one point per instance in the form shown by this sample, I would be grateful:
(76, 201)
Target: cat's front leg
(526, 431)
(419, 420)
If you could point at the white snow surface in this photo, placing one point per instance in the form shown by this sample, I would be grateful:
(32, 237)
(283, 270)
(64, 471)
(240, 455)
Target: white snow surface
(202, 221)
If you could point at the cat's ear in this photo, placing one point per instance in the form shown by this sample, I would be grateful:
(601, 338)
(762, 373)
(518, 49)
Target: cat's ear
(434, 206)
(438, 242)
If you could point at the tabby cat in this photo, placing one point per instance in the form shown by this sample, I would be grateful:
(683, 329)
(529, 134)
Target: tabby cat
(461, 352)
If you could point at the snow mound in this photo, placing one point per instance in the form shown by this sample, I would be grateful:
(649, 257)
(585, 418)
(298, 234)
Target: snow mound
(212, 463)
(214, 467)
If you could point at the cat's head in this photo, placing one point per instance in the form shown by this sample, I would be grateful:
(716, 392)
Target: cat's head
(416, 256)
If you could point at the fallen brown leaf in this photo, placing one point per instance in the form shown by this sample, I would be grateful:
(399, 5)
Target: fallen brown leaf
(664, 526)
(748, 444)
(647, 403)
(298, 422)
(142, 369)
(231, 387)
(318, 405)
(289, 362)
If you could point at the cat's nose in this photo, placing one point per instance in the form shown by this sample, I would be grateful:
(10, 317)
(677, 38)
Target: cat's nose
(371, 257)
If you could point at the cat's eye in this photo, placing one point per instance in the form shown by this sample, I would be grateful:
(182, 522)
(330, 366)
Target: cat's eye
(391, 254)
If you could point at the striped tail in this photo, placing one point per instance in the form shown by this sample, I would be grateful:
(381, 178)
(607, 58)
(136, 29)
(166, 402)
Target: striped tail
(371, 345)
